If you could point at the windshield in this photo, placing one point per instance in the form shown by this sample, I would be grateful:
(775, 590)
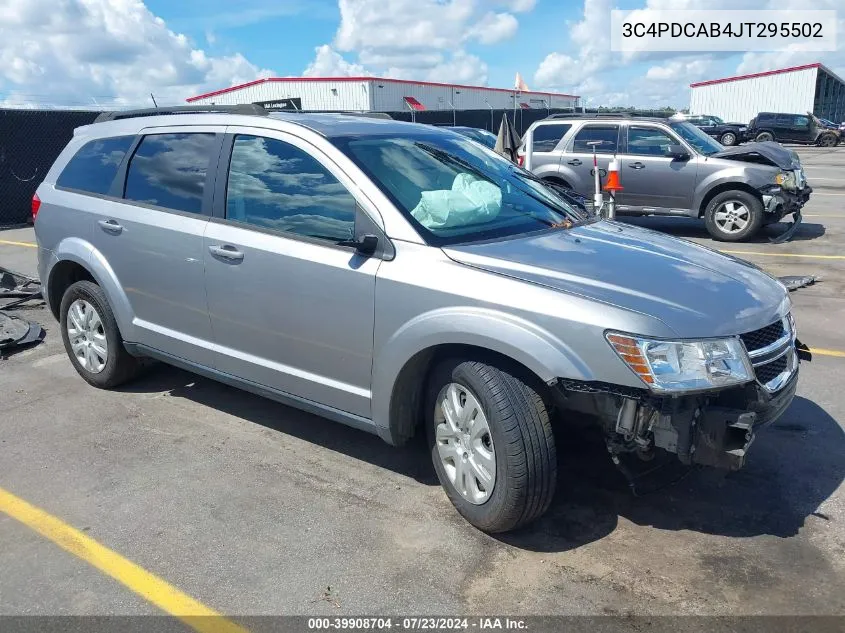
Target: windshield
(455, 190)
(702, 143)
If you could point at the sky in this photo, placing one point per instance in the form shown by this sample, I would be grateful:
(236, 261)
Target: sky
(117, 52)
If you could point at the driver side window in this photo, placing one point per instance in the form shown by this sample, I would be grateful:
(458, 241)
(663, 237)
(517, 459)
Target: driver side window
(648, 141)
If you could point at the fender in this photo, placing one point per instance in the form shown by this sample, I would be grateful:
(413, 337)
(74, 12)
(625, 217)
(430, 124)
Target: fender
(537, 349)
(83, 253)
(727, 176)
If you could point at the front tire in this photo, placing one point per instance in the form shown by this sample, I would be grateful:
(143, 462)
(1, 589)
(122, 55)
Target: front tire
(827, 140)
(92, 339)
(491, 444)
(733, 216)
(728, 139)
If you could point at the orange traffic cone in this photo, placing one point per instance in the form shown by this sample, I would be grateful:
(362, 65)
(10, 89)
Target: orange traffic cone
(613, 183)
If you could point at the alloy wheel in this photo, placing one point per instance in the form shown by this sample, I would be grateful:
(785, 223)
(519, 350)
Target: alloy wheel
(87, 336)
(464, 443)
(732, 216)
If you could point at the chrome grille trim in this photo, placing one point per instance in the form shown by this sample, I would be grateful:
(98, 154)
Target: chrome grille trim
(784, 345)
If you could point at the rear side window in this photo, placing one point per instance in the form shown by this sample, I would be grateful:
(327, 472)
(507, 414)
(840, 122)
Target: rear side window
(275, 185)
(765, 117)
(607, 134)
(546, 137)
(94, 166)
(169, 170)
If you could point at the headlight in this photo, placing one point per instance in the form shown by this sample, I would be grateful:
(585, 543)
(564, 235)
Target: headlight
(786, 179)
(743, 129)
(669, 366)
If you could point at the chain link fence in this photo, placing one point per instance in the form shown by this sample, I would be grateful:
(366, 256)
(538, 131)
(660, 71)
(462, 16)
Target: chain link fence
(30, 140)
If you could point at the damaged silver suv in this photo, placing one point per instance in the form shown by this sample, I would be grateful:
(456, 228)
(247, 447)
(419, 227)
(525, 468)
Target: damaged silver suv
(672, 168)
(401, 278)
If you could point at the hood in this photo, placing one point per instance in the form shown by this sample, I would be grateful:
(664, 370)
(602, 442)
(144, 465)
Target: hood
(693, 290)
(768, 153)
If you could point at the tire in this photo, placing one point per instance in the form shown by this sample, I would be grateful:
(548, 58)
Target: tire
(118, 365)
(522, 447)
(762, 137)
(728, 139)
(745, 224)
(827, 140)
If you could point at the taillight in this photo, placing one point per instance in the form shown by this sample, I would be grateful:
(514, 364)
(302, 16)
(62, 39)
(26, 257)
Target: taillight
(520, 160)
(36, 204)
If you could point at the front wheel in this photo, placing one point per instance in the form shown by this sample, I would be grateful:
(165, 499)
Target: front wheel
(728, 139)
(491, 444)
(733, 216)
(827, 140)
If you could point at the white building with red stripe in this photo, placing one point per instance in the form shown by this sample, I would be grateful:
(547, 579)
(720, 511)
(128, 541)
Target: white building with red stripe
(795, 90)
(376, 94)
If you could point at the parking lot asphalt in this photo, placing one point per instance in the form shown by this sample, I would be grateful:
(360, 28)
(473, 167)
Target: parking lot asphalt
(253, 508)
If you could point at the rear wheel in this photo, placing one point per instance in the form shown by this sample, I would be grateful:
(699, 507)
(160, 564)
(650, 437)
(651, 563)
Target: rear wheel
(491, 444)
(762, 137)
(92, 339)
(733, 216)
(728, 139)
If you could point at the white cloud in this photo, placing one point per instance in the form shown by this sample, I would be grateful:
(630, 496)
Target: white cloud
(422, 39)
(78, 51)
(330, 63)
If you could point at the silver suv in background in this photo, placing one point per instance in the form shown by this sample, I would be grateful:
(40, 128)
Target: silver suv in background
(672, 168)
(401, 278)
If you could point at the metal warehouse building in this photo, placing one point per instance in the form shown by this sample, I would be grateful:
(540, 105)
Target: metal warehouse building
(811, 88)
(374, 94)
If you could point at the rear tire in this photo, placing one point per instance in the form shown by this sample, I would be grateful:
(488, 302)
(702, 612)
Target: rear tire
(93, 341)
(762, 137)
(728, 139)
(518, 445)
(733, 216)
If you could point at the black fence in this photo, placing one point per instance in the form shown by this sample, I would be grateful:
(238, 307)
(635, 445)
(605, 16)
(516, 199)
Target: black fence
(30, 140)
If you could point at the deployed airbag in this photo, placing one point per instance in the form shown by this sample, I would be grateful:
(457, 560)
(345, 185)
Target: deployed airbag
(469, 201)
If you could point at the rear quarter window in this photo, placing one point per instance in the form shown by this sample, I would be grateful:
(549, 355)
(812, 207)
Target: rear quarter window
(93, 168)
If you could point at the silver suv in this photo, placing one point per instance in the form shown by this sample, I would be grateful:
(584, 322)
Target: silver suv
(401, 278)
(671, 167)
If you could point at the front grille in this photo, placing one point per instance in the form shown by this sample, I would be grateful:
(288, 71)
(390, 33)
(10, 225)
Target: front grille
(758, 339)
(768, 372)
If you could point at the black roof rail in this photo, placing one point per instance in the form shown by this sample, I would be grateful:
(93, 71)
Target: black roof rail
(592, 115)
(245, 108)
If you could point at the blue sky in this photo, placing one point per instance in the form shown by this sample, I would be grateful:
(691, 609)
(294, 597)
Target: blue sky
(85, 52)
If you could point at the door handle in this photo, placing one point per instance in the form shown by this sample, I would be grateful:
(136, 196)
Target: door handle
(110, 226)
(637, 165)
(574, 161)
(229, 253)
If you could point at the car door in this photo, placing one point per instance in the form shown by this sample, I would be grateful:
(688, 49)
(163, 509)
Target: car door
(546, 150)
(290, 308)
(150, 233)
(576, 165)
(783, 127)
(652, 181)
(706, 125)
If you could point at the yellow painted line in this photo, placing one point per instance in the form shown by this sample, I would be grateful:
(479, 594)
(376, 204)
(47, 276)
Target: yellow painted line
(162, 594)
(27, 244)
(784, 255)
(827, 352)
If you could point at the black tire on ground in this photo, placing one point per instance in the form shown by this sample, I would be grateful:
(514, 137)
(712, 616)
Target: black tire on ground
(739, 197)
(728, 139)
(524, 447)
(120, 365)
(764, 136)
(827, 140)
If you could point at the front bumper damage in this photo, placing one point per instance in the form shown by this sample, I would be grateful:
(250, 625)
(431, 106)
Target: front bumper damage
(714, 429)
(778, 203)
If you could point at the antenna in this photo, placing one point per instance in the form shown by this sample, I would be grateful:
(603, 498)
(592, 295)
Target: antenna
(154, 100)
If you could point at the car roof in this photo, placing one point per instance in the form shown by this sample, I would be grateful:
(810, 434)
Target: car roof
(329, 125)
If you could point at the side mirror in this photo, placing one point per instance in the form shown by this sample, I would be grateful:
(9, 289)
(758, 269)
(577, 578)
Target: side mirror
(677, 152)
